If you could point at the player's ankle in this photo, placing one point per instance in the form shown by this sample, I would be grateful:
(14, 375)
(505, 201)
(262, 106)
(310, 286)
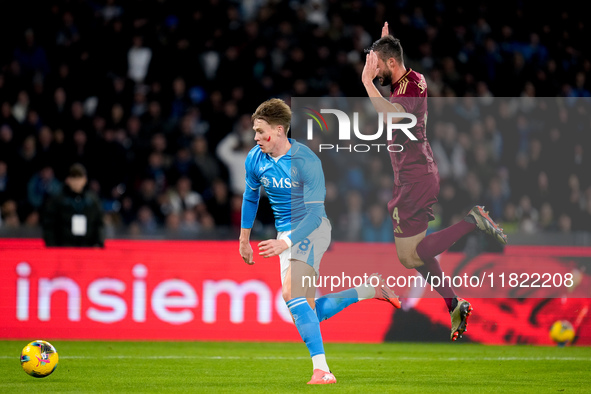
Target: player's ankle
(453, 304)
(319, 362)
(469, 219)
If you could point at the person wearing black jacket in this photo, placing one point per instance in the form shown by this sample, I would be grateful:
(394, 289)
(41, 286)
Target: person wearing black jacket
(74, 217)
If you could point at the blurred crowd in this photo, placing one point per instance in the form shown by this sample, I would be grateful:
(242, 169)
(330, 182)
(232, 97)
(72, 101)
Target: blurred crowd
(154, 98)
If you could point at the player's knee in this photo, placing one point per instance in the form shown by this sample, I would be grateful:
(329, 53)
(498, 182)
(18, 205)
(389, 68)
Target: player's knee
(408, 261)
(286, 293)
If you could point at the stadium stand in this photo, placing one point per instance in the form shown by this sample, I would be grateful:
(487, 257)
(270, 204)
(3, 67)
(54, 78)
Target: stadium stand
(154, 97)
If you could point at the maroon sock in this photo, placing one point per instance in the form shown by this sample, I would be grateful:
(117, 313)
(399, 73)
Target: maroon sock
(438, 242)
(433, 245)
(431, 269)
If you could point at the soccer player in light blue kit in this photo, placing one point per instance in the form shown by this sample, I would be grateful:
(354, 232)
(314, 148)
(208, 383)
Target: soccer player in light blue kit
(294, 181)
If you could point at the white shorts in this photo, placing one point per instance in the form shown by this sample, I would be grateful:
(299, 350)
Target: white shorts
(309, 250)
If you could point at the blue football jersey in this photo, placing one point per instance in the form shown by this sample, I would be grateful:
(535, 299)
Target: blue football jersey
(294, 184)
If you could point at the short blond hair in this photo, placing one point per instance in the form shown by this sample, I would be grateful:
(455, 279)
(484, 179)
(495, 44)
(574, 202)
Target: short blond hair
(275, 112)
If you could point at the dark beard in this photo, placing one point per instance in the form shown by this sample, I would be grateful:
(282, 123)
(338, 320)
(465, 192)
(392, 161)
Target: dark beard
(386, 79)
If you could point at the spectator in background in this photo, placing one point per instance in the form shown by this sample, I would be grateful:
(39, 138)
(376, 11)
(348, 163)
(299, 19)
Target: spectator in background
(236, 212)
(547, 220)
(207, 166)
(7, 119)
(139, 105)
(146, 223)
(156, 170)
(31, 57)
(180, 100)
(495, 198)
(21, 107)
(352, 220)
(45, 148)
(232, 151)
(218, 202)
(42, 186)
(565, 223)
(172, 224)
(481, 164)
(510, 220)
(473, 189)
(521, 177)
(4, 193)
(147, 196)
(138, 60)
(334, 206)
(450, 156)
(575, 196)
(449, 201)
(77, 120)
(189, 222)
(182, 165)
(9, 215)
(542, 194)
(182, 198)
(74, 217)
(584, 218)
(80, 150)
(528, 216)
(377, 226)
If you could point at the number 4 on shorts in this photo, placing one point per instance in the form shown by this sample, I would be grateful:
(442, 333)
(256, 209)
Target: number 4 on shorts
(395, 215)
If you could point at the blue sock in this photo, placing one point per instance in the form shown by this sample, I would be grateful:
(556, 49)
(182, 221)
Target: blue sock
(331, 304)
(307, 324)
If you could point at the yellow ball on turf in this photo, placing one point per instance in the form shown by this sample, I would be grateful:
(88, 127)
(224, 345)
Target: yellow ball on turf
(562, 332)
(39, 359)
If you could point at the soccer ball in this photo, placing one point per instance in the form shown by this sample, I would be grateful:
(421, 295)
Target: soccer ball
(562, 332)
(39, 359)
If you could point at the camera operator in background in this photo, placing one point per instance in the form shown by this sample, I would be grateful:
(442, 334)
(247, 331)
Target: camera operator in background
(74, 217)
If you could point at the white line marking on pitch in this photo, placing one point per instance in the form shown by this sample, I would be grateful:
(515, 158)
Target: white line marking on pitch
(197, 357)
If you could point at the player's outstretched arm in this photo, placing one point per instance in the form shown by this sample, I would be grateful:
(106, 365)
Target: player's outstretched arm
(245, 249)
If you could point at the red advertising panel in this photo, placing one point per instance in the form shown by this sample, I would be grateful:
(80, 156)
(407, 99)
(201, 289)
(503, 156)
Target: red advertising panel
(156, 290)
(179, 290)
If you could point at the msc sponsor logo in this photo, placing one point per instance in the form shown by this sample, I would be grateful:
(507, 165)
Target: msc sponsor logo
(281, 183)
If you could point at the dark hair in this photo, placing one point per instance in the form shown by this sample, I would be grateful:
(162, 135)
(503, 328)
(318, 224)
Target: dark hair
(275, 112)
(387, 47)
(77, 171)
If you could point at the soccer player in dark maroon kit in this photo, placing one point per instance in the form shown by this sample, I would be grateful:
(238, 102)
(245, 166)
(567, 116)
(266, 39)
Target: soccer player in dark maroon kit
(416, 178)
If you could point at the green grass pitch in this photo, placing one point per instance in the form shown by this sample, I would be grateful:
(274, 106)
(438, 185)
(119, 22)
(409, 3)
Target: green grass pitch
(286, 367)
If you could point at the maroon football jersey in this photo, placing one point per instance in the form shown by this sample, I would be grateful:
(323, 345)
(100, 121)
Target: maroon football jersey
(415, 163)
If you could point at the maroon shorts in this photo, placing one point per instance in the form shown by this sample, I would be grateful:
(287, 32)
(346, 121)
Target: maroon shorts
(411, 206)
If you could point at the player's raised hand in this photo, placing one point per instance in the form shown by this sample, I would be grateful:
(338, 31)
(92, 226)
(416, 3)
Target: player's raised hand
(246, 252)
(272, 247)
(370, 70)
(385, 30)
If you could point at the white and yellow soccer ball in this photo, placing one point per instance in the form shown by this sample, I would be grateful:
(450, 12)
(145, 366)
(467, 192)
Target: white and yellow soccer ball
(39, 359)
(562, 332)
